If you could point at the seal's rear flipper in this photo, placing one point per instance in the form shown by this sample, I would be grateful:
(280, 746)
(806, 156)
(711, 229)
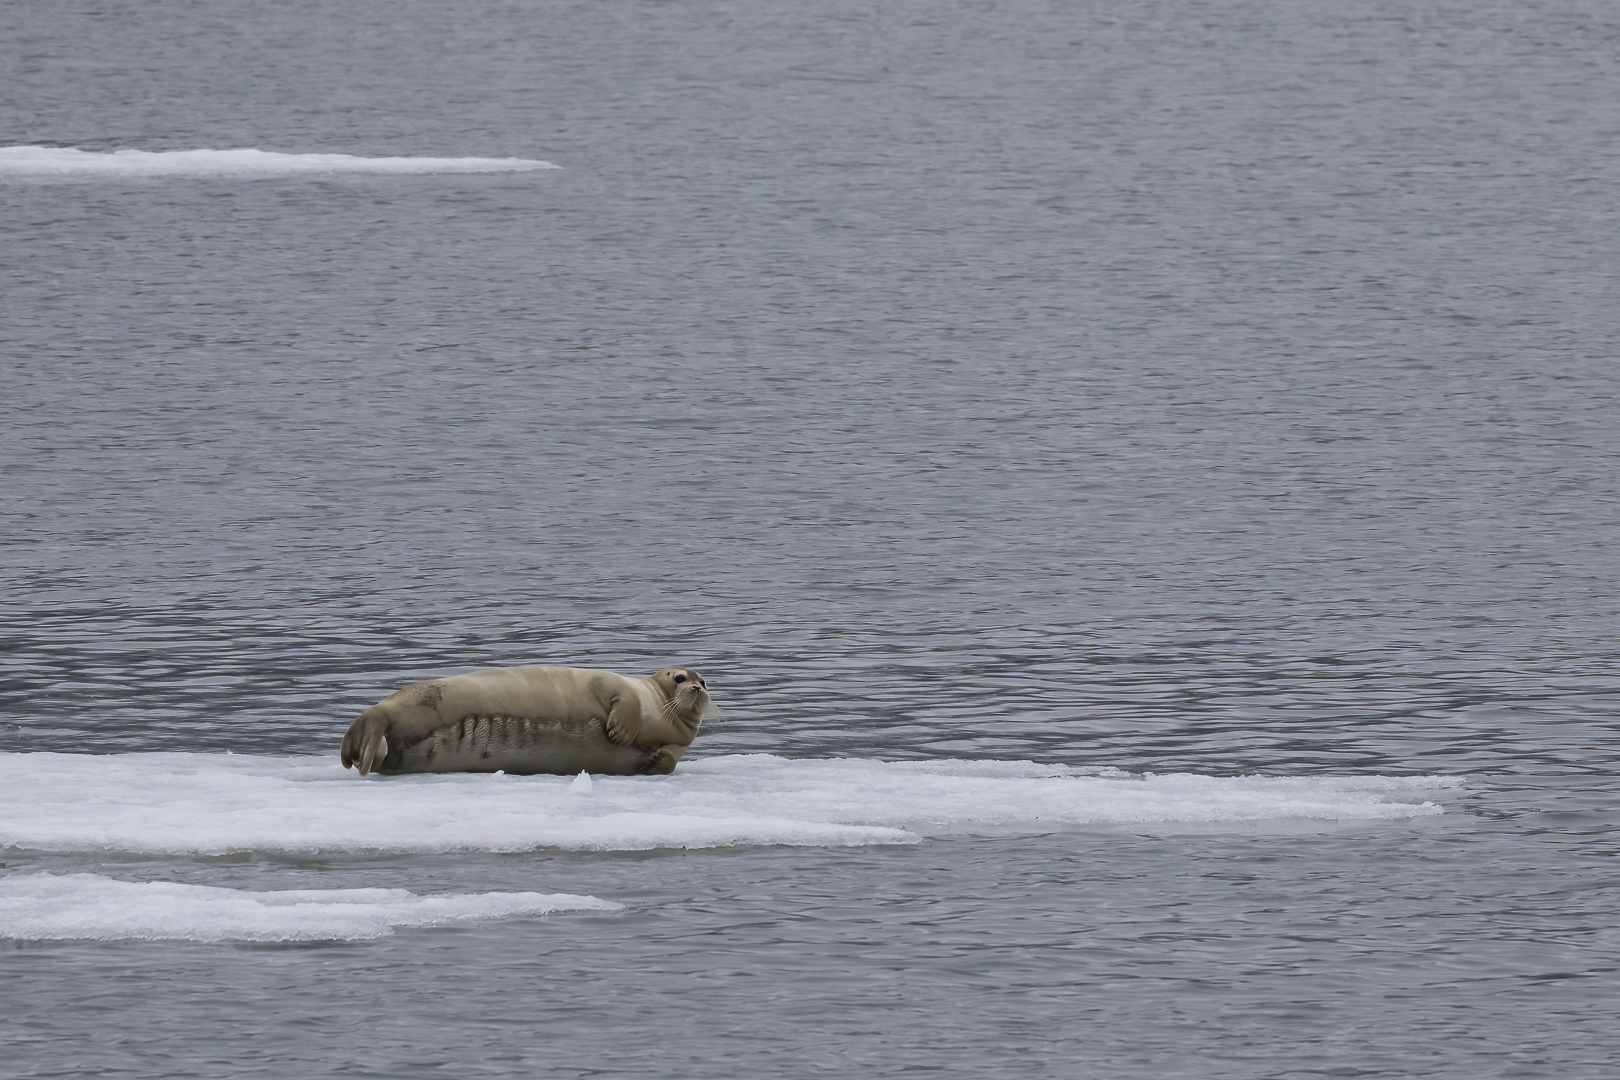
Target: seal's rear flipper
(374, 754)
(365, 746)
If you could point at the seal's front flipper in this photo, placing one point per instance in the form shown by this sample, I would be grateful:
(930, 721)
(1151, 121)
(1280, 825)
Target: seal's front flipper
(661, 762)
(623, 724)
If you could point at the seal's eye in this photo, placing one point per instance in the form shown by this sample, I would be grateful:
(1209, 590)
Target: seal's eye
(680, 678)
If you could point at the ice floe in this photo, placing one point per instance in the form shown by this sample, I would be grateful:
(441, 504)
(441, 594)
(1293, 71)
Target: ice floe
(67, 161)
(58, 907)
(203, 804)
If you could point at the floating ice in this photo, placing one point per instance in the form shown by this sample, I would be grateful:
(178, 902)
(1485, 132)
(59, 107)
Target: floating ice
(65, 161)
(211, 804)
(48, 907)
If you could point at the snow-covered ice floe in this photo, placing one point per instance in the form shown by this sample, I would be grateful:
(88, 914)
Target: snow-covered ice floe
(66, 161)
(68, 907)
(204, 804)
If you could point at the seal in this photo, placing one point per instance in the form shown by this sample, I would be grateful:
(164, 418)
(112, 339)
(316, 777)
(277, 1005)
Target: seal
(527, 720)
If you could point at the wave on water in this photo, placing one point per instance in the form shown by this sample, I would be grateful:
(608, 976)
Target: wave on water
(80, 907)
(66, 161)
(206, 804)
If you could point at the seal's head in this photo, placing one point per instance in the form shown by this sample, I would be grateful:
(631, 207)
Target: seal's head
(684, 690)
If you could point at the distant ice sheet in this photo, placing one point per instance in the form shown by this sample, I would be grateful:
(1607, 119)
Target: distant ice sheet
(50, 907)
(64, 161)
(211, 804)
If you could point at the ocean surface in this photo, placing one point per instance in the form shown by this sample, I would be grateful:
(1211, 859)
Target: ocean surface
(1142, 482)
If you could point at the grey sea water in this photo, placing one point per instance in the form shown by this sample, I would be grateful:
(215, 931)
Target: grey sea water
(1223, 388)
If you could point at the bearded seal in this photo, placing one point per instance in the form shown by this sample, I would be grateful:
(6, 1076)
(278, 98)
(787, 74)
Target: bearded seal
(532, 720)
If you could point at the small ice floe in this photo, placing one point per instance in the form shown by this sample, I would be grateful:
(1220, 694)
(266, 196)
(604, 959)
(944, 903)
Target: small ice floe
(66, 907)
(63, 161)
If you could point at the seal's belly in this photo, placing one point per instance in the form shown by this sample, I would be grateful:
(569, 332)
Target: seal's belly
(519, 745)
